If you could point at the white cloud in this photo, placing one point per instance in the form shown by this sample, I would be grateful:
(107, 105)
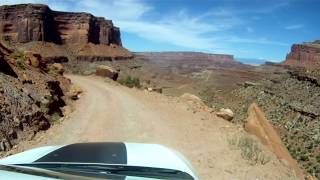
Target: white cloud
(169, 33)
(294, 27)
(264, 41)
(115, 9)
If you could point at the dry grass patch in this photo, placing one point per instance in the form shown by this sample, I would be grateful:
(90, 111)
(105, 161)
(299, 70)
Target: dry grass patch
(250, 149)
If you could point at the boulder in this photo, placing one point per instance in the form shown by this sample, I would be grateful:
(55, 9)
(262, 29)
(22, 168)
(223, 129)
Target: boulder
(26, 79)
(249, 84)
(32, 59)
(158, 90)
(226, 114)
(106, 71)
(75, 92)
(258, 125)
(57, 68)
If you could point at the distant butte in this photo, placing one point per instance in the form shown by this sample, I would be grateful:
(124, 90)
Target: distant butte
(24, 23)
(60, 36)
(304, 55)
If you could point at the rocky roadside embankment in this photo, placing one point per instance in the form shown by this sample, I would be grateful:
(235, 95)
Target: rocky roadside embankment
(32, 95)
(291, 103)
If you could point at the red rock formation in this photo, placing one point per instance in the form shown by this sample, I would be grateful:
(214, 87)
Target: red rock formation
(304, 55)
(258, 125)
(35, 22)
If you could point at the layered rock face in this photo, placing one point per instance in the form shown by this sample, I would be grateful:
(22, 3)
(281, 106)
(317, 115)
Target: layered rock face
(304, 55)
(35, 22)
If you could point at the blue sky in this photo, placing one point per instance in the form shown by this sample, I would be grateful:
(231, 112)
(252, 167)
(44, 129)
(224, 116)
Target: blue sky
(245, 28)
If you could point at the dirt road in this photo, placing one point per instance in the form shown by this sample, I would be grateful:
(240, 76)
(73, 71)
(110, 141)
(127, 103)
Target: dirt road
(110, 112)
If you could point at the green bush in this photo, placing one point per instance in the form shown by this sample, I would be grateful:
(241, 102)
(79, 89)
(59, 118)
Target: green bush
(55, 116)
(130, 82)
(19, 57)
(318, 158)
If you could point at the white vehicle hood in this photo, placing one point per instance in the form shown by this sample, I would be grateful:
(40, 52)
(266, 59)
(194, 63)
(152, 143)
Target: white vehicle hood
(131, 154)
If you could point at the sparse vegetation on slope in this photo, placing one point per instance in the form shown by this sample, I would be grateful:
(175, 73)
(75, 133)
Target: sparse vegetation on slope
(291, 102)
(249, 148)
(130, 82)
(19, 58)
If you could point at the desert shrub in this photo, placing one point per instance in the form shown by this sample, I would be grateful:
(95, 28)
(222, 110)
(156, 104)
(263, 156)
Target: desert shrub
(249, 148)
(318, 158)
(55, 116)
(130, 82)
(19, 57)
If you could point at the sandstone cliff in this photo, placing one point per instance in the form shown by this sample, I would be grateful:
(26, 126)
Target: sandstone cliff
(60, 36)
(304, 55)
(35, 22)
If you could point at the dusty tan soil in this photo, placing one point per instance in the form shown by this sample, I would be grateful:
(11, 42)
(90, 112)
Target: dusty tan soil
(110, 112)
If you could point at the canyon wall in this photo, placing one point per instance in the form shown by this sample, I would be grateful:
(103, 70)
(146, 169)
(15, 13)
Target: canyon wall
(304, 55)
(36, 22)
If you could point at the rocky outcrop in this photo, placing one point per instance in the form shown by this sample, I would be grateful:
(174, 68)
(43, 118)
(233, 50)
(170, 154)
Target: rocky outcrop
(226, 114)
(30, 96)
(35, 22)
(291, 102)
(258, 125)
(106, 71)
(304, 55)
